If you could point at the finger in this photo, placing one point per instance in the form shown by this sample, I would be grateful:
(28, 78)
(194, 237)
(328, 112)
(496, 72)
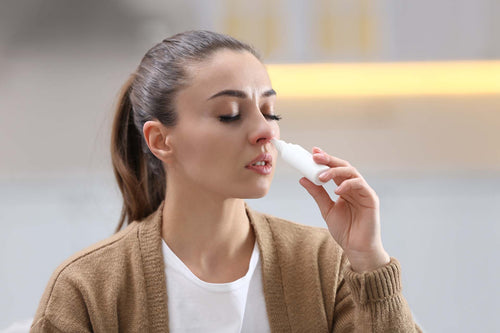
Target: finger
(356, 190)
(339, 174)
(321, 157)
(319, 194)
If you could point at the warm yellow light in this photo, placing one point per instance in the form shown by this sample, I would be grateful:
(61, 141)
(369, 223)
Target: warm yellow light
(385, 79)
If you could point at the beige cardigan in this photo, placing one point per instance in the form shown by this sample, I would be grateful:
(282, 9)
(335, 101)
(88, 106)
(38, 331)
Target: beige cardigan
(119, 284)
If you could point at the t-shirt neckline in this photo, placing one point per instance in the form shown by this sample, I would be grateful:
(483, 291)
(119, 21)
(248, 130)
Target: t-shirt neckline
(172, 260)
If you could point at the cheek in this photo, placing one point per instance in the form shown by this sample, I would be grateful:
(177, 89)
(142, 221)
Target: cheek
(204, 146)
(193, 146)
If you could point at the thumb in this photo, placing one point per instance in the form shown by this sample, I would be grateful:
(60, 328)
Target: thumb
(323, 200)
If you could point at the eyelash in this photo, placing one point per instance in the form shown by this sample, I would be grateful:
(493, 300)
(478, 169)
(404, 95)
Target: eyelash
(228, 119)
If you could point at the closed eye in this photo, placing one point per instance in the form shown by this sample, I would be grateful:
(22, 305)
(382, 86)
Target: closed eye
(228, 119)
(272, 116)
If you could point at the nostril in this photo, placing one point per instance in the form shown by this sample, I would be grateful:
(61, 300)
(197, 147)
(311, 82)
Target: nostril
(262, 135)
(263, 140)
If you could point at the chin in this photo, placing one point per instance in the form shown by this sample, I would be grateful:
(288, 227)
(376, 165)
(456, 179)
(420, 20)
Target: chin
(255, 195)
(257, 191)
(251, 190)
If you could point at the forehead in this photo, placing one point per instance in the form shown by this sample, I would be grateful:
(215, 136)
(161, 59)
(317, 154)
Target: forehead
(228, 69)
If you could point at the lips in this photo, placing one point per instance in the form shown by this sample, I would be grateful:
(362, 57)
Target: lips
(262, 164)
(261, 160)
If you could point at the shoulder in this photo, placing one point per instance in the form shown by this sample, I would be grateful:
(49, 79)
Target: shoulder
(116, 253)
(88, 286)
(104, 254)
(102, 260)
(80, 279)
(99, 273)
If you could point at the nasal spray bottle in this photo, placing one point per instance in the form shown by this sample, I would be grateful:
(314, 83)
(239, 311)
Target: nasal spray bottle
(300, 159)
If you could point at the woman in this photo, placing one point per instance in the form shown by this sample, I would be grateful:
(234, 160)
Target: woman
(191, 140)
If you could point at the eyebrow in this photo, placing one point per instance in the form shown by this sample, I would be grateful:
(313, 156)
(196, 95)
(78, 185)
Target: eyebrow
(241, 94)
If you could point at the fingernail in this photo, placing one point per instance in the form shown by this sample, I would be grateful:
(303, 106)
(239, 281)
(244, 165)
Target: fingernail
(337, 190)
(323, 175)
(320, 155)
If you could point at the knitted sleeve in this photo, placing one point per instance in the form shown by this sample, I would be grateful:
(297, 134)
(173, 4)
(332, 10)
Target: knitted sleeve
(372, 301)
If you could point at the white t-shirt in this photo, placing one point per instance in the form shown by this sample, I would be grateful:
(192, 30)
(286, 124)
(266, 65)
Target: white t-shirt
(198, 306)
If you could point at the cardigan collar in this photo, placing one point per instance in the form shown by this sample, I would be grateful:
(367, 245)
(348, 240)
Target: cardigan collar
(154, 271)
(272, 281)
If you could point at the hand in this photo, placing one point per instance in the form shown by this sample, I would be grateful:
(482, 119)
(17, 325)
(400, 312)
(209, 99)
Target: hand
(354, 219)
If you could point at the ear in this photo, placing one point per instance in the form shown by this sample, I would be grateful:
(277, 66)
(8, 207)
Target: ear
(158, 139)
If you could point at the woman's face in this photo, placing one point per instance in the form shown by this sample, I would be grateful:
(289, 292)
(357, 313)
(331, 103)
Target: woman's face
(226, 118)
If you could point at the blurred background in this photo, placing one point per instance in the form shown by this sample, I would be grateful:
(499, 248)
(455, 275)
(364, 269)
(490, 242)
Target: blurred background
(407, 91)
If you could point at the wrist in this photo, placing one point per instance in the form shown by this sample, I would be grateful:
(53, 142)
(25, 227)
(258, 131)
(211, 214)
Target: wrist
(367, 262)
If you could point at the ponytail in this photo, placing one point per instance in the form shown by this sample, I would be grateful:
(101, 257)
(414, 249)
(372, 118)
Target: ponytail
(139, 174)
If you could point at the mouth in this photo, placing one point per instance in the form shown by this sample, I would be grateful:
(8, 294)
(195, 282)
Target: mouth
(262, 164)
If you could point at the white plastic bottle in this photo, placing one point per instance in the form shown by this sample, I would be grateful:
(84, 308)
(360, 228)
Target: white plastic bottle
(300, 159)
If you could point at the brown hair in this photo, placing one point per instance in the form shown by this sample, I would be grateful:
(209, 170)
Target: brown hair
(149, 94)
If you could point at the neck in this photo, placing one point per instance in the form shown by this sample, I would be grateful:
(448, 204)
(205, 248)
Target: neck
(206, 231)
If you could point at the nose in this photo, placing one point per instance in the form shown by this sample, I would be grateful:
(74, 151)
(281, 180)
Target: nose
(262, 130)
